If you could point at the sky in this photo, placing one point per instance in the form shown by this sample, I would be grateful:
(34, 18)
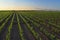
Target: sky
(29, 4)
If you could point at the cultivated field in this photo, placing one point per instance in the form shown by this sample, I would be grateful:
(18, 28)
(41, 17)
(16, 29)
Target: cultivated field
(29, 25)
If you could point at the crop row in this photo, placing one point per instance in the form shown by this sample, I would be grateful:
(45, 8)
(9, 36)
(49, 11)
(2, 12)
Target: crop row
(29, 26)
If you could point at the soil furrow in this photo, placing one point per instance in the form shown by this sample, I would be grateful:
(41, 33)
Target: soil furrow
(14, 35)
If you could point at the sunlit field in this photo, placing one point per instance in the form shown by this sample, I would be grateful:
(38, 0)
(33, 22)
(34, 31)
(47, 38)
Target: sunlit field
(29, 25)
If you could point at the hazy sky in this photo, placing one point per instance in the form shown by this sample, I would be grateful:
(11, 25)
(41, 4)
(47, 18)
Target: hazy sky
(29, 4)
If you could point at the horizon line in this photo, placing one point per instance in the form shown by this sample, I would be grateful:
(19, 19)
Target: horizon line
(29, 10)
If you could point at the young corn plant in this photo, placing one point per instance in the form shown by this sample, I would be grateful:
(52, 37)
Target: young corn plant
(20, 29)
(36, 35)
(4, 23)
(9, 29)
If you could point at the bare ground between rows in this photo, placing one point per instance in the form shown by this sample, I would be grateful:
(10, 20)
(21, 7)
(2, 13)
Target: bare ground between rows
(14, 34)
(44, 37)
(49, 29)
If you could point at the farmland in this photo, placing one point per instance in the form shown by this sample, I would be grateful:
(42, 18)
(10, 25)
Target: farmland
(29, 25)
